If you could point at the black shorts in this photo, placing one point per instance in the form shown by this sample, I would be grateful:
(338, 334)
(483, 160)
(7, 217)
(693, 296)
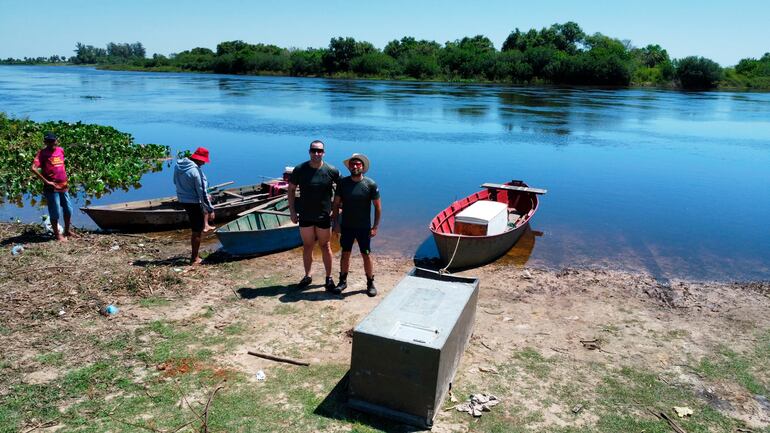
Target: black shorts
(347, 236)
(321, 223)
(195, 214)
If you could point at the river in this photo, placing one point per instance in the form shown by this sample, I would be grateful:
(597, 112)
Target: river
(673, 183)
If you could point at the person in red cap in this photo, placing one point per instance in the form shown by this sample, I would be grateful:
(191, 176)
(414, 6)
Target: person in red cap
(191, 190)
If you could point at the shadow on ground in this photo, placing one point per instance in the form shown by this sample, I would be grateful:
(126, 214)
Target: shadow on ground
(171, 261)
(291, 293)
(335, 406)
(30, 235)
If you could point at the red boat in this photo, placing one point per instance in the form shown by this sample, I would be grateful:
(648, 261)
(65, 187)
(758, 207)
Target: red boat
(473, 232)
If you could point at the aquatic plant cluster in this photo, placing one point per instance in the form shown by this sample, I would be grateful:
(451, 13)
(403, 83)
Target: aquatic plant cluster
(99, 158)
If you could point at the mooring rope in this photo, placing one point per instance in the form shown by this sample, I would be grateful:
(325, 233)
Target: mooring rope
(444, 270)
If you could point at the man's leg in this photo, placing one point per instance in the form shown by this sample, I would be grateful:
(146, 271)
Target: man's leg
(368, 266)
(365, 245)
(308, 243)
(52, 201)
(66, 206)
(345, 262)
(195, 242)
(323, 236)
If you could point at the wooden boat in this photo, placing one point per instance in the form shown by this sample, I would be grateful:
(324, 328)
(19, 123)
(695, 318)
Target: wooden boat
(264, 229)
(460, 251)
(166, 213)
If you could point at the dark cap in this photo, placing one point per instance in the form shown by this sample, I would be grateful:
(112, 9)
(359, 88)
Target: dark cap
(50, 136)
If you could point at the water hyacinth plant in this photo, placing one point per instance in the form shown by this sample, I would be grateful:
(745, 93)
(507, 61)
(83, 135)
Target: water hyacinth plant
(99, 159)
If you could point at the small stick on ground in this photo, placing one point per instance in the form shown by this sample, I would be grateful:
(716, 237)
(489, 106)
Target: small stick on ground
(278, 358)
(205, 426)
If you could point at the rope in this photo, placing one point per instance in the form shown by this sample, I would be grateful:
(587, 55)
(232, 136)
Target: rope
(444, 270)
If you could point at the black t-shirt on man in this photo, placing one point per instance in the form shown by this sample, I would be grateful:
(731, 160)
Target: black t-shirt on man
(357, 202)
(316, 187)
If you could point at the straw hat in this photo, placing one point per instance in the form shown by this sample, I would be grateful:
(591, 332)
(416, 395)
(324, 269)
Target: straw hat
(361, 157)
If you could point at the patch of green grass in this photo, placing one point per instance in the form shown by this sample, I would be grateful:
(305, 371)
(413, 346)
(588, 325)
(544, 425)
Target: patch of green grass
(531, 361)
(208, 311)
(677, 334)
(611, 329)
(234, 329)
(283, 309)
(748, 369)
(625, 396)
(154, 301)
(52, 358)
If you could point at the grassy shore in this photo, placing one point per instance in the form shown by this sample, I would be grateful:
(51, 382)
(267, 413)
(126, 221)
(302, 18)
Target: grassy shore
(174, 356)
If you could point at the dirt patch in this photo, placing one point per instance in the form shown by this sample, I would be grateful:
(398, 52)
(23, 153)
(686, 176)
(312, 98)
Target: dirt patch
(544, 338)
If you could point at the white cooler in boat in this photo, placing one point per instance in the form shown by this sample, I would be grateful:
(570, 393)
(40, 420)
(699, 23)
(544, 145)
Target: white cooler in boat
(482, 218)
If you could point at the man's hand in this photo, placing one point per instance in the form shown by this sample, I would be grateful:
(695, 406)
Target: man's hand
(211, 216)
(373, 232)
(293, 216)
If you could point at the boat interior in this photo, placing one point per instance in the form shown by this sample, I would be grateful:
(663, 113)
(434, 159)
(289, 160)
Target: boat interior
(272, 217)
(520, 208)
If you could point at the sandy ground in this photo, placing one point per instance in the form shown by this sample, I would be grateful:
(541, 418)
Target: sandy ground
(576, 316)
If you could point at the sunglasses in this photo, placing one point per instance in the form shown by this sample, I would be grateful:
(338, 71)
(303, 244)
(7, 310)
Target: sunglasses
(316, 151)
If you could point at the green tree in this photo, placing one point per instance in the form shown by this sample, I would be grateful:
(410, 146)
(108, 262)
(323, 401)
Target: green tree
(342, 51)
(306, 62)
(697, 72)
(468, 58)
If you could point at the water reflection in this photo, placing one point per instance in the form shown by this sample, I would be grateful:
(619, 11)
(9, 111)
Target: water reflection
(620, 164)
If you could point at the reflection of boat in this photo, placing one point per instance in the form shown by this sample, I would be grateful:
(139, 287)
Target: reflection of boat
(267, 228)
(166, 213)
(520, 253)
(462, 245)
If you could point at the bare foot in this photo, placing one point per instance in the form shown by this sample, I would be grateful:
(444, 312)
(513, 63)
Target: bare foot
(196, 261)
(207, 228)
(71, 234)
(60, 238)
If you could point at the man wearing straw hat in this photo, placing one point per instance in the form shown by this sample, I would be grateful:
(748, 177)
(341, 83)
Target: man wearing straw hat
(191, 190)
(356, 194)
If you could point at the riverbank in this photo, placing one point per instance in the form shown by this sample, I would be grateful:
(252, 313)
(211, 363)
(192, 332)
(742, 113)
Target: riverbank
(585, 350)
(733, 83)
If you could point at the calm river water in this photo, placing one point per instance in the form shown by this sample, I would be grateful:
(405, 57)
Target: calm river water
(674, 183)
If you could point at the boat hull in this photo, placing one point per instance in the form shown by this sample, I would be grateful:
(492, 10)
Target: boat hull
(261, 233)
(167, 214)
(260, 242)
(475, 250)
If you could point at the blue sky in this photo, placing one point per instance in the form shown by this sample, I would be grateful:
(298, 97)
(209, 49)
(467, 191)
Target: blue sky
(723, 31)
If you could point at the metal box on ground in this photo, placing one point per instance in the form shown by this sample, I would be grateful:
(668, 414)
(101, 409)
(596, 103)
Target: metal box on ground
(482, 218)
(406, 351)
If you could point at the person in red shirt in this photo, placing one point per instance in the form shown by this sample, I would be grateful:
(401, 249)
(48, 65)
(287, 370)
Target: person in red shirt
(48, 165)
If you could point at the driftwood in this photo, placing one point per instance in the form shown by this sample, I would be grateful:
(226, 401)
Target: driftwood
(278, 358)
(671, 423)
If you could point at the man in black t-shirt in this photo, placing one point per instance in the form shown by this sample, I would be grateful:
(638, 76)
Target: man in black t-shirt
(316, 180)
(356, 194)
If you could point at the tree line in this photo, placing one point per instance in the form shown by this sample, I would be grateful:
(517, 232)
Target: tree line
(559, 54)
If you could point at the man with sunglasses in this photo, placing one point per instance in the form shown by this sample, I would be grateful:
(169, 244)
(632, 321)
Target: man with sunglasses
(316, 180)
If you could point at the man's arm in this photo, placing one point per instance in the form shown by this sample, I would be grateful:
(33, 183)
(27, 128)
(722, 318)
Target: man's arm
(336, 212)
(36, 169)
(202, 194)
(291, 195)
(377, 215)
